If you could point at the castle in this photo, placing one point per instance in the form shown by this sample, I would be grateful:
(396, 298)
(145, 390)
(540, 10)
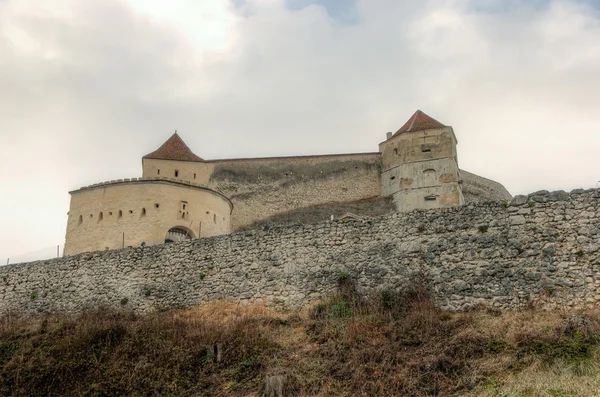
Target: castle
(182, 196)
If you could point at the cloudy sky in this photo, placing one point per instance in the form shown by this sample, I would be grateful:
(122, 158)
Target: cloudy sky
(88, 87)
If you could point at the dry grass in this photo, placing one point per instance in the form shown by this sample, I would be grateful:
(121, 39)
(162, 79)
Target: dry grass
(388, 345)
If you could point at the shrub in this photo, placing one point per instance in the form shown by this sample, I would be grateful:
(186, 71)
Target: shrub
(483, 228)
(124, 301)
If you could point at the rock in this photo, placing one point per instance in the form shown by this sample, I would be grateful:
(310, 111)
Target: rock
(517, 220)
(540, 193)
(558, 195)
(519, 200)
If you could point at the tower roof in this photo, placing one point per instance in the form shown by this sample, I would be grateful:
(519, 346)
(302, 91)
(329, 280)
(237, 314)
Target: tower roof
(173, 149)
(419, 122)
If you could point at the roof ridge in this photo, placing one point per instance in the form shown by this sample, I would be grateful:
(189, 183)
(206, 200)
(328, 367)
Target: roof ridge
(174, 148)
(419, 121)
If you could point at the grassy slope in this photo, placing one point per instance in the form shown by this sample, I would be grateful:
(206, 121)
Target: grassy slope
(388, 346)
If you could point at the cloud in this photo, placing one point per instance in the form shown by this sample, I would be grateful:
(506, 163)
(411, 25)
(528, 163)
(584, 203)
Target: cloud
(88, 87)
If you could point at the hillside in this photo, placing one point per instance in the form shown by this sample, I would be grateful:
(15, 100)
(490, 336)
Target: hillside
(387, 345)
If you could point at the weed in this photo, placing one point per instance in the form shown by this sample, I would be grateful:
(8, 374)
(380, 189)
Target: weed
(124, 301)
(341, 310)
(343, 277)
(531, 204)
(483, 228)
(202, 276)
(504, 204)
(148, 292)
(33, 295)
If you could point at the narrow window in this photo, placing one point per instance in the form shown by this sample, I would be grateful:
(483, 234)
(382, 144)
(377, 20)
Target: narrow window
(143, 212)
(176, 173)
(430, 198)
(215, 218)
(184, 207)
(426, 150)
(396, 151)
(120, 214)
(157, 172)
(100, 216)
(80, 219)
(194, 175)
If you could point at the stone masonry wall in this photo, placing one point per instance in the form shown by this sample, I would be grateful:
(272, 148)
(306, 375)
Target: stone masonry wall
(544, 248)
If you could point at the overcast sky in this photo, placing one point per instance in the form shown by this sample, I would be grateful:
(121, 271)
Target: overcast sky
(88, 87)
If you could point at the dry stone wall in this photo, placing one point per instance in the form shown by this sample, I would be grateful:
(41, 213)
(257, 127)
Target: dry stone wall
(543, 248)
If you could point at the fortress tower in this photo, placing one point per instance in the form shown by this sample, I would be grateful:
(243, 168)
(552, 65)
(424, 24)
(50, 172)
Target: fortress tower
(420, 166)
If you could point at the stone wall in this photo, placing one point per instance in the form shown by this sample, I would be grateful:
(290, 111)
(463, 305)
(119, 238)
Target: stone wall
(477, 189)
(543, 248)
(261, 188)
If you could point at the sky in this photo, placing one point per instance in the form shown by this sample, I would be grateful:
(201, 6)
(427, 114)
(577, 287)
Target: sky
(89, 87)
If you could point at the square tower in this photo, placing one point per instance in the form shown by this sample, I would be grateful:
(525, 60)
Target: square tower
(420, 166)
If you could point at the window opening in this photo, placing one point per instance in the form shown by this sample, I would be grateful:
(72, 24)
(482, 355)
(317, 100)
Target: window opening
(158, 172)
(215, 218)
(176, 173)
(143, 212)
(396, 151)
(100, 216)
(120, 214)
(131, 211)
(392, 178)
(156, 205)
(80, 219)
(430, 198)
(194, 175)
(426, 150)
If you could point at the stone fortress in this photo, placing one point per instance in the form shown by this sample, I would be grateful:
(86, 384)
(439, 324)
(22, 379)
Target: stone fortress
(180, 196)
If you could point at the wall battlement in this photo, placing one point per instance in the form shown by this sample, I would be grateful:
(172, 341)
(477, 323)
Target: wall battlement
(544, 248)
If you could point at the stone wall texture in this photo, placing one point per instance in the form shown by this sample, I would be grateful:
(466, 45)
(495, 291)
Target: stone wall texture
(543, 248)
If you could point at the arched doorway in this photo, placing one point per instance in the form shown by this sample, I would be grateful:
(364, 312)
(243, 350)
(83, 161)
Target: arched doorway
(177, 234)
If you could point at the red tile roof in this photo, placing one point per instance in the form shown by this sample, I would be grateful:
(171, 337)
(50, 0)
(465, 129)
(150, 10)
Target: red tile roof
(173, 149)
(419, 122)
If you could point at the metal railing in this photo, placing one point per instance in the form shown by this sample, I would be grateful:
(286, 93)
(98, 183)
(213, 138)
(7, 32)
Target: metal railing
(54, 251)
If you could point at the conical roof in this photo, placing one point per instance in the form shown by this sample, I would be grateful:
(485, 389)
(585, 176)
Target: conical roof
(173, 149)
(419, 122)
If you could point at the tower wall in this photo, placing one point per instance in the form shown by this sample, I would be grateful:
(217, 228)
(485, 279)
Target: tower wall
(420, 170)
(126, 213)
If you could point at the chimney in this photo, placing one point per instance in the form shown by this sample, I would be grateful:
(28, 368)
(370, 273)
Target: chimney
(388, 135)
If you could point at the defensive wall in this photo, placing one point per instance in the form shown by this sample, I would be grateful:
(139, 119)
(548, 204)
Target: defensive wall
(543, 248)
(261, 188)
